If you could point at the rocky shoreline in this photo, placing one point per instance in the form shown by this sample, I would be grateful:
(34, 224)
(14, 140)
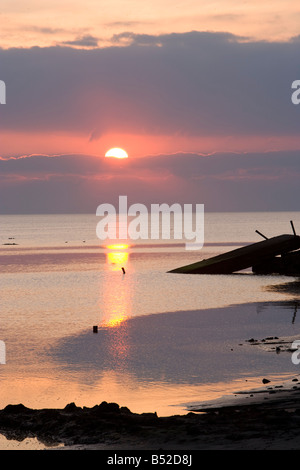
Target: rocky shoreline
(263, 424)
(267, 418)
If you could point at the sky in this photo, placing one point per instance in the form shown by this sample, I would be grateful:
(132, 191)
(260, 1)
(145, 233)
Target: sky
(197, 93)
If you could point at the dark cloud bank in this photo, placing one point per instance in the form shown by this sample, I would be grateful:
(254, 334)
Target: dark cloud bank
(79, 183)
(193, 83)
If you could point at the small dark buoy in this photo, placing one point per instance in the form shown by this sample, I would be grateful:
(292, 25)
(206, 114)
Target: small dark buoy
(95, 329)
(123, 270)
(265, 381)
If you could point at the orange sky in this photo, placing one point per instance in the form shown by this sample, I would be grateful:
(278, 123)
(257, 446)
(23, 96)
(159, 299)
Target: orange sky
(101, 24)
(51, 22)
(139, 145)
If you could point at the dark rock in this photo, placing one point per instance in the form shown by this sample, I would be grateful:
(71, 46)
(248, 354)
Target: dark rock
(71, 407)
(265, 381)
(108, 423)
(105, 407)
(125, 410)
(15, 409)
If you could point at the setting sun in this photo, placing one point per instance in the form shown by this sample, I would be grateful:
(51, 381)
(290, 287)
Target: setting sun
(116, 153)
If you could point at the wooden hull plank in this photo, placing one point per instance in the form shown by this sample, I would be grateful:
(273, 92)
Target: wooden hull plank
(244, 257)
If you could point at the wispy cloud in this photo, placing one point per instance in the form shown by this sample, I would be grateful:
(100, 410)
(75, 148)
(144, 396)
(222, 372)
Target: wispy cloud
(86, 40)
(42, 29)
(128, 23)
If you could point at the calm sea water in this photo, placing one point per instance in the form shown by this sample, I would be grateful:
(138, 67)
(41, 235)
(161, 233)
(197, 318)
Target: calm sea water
(164, 340)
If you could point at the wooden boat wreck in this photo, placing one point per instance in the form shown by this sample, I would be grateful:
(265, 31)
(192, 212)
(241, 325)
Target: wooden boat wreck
(277, 255)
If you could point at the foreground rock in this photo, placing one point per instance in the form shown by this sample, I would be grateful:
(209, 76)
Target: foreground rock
(108, 426)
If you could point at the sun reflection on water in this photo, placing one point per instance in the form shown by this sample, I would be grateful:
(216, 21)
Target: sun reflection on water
(117, 259)
(116, 291)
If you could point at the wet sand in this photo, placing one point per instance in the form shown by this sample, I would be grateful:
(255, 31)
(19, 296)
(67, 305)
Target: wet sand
(265, 418)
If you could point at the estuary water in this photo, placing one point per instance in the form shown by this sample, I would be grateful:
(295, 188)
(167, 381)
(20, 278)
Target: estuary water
(163, 340)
